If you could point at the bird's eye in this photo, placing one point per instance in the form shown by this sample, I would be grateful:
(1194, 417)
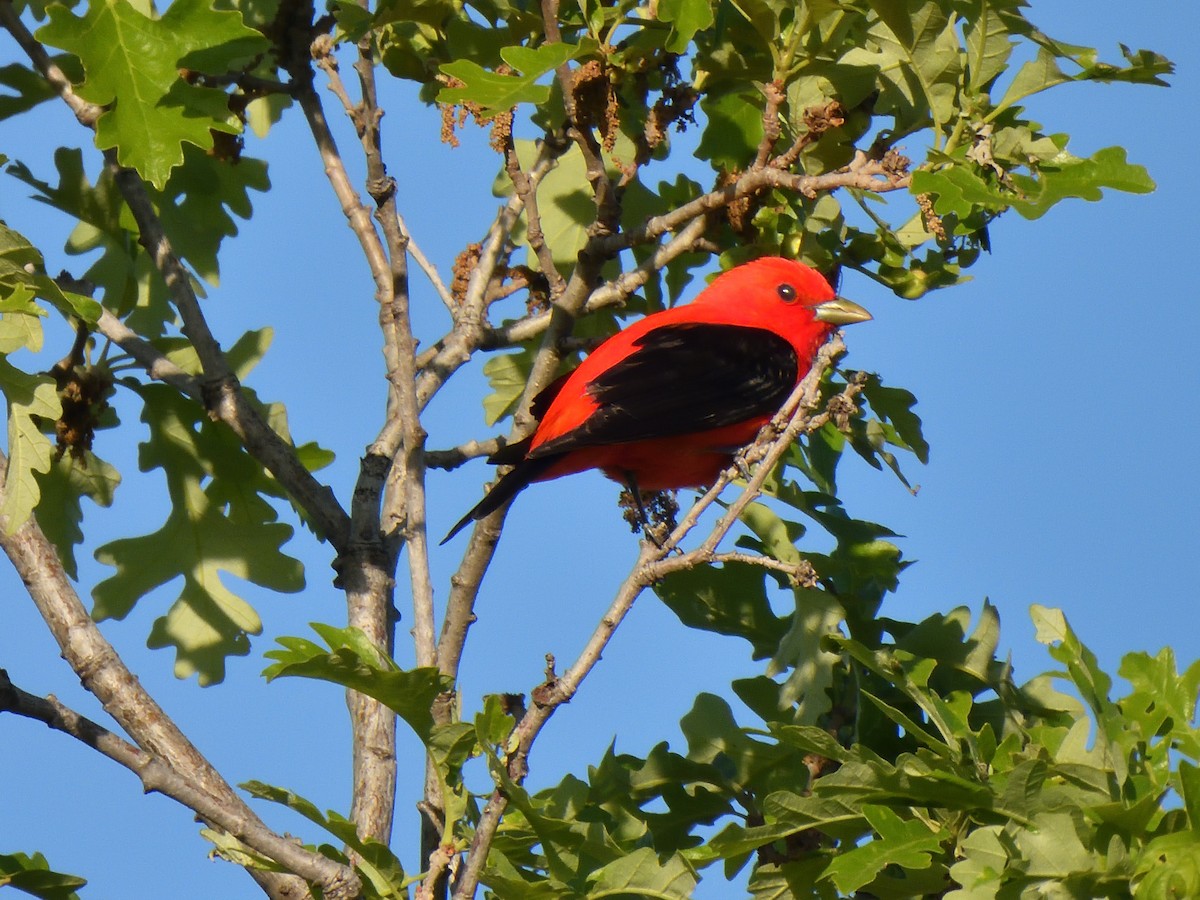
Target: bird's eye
(787, 293)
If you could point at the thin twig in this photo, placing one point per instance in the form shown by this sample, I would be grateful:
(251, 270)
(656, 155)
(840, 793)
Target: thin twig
(456, 456)
(470, 331)
(773, 91)
(863, 173)
(426, 266)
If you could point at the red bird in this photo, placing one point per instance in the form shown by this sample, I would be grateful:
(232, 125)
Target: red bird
(667, 402)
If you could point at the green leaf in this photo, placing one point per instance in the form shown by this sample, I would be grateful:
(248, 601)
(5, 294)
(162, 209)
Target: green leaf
(99, 210)
(23, 276)
(1068, 176)
(26, 88)
(919, 62)
(734, 129)
(353, 662)
(507, 374)
(895, 405)
(640, 874)
(981, 866)
(686, 17)
(1168, 867)
(762, 16)
(382, 871)
(944, 637)
(731, 599)
(29, 451)
(962, 189)
(565, 205)
(714, 738)
(132, 63)
(817, 615)
(1035, 76)
(1162, 705)
(60, 509)
(33, 875)
(199, 201)
(1093, 683)
(495, 93)
(906, 843)
(810, 739)
(1052, 847)
(19, 325)
(218, 523)
(896, 16)
(988, 40)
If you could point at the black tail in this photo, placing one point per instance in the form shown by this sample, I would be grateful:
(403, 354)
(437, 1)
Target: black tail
(511, 484)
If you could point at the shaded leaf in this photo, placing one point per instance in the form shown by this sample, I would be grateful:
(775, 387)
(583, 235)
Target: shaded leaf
(218, 523)
(640, 874)
(60, 509)
(730, 599)
(29, 451)
(906, 843)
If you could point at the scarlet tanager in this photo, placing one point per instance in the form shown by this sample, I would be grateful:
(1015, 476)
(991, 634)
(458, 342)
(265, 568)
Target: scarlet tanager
(668, 401)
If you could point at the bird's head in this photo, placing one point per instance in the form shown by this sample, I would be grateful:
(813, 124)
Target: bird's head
(778, 287)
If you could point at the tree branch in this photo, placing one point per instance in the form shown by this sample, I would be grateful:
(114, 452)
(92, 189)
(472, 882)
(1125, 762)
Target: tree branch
(157, 776)
(367, 569)
(223, 395)
(863, 173)
(155, 364)
(104, 674)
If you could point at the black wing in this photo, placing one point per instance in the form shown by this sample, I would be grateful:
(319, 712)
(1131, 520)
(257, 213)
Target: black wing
(684, 378)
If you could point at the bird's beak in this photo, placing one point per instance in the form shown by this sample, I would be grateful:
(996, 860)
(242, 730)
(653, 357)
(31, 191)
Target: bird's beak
(840, 311)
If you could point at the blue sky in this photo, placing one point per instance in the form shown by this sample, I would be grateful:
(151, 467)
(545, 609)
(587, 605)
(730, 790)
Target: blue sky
(1057, 388)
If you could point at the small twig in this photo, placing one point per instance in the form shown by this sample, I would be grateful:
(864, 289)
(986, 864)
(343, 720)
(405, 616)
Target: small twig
(426, 266)
(470, 330)
(86, 113)
(773, 91)
(437, 870)
(863, 173)
(456, 456)
(613, 293)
